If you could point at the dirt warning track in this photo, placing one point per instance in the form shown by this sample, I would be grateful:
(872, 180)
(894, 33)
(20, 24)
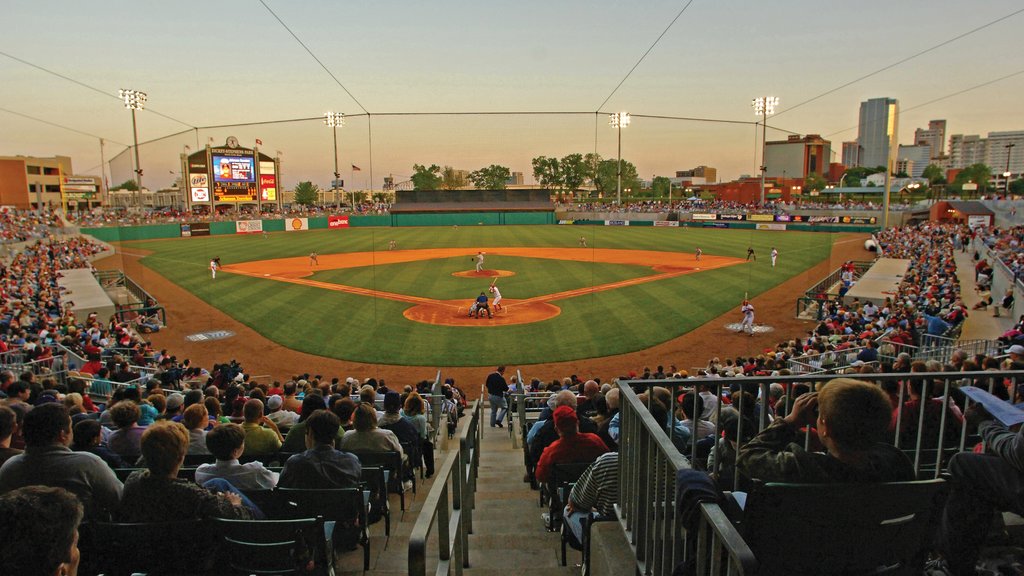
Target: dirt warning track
(296, 270)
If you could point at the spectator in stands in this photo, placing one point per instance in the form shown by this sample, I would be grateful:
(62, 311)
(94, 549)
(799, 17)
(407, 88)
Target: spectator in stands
(585, 407)
(395, 422)
(544, 433)
(496, 387)
(596, 492)
(852, 419)
(173, 408)
(283, 418)
(8, 426)
(158, 495)
(981, 485)
(922, 393)
(291, 401)
(48, 461)
(126, 441)
(571, 446)
(227, 442)
(413, 411)
(89, 438)
(261, 434)
(321, 466)
(367, 437)
(40, 528)
(692, 403)
(296, 439)
(344, 408)
(196, 420)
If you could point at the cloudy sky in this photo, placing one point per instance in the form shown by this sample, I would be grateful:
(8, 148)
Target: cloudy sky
(209, 64)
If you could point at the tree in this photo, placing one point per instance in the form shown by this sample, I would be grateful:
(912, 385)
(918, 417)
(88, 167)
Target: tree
(574, 172)
(130, 185)
(546, 171)
(852, 182)
(605, 180)
(660, 185)
(493, 177)
(814, 181)
(1017, 187)
(934, 174)
(976, 173)
(424, 178)
(452, 179)
(306, 193)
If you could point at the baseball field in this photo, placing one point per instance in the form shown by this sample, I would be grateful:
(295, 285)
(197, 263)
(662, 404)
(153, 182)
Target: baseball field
(629, 289)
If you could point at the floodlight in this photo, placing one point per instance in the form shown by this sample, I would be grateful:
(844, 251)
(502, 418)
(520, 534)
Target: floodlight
(133, 99)
(334, 119)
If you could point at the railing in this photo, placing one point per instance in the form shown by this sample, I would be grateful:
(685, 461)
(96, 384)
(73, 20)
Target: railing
(941, 348)
(450, 502)
(436, 398)
(810, 309)
(828, 361)
(649, 460)
(824, 285)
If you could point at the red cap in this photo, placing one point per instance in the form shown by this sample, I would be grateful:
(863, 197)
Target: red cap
(565, 417)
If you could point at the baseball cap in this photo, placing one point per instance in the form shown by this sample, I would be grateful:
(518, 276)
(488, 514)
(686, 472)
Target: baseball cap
(565, 417)
(274, 402)
(1015, 349)
(175, 400)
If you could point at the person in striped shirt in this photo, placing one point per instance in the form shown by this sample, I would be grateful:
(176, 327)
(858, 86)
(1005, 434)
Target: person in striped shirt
(594, 494)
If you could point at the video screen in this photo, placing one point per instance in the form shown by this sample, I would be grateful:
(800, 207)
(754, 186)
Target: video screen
(233, 169)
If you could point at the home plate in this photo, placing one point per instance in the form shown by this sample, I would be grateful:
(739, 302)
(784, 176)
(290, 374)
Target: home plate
(756, 329)
(266, 274)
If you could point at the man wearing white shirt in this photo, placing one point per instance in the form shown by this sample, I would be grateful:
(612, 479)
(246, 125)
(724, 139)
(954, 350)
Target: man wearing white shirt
(227, 442)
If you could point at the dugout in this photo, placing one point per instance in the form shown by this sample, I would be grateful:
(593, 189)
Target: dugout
(472, 207)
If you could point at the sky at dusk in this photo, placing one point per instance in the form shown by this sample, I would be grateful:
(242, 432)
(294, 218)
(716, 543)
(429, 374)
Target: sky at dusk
(209, 64)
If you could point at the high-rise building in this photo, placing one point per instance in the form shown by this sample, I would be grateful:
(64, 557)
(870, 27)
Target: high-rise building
(967, 150)
(1002, 145)
(913, 159)
(934, 137)
(851, 154)
(709, 174)
(797, 156)
(516, 179)
(25, 181)
(876, 130)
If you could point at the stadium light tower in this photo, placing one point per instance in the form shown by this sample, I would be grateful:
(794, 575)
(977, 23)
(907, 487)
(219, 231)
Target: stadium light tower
(764, 107)
(135, 100)
(618, 120)
(335, 120)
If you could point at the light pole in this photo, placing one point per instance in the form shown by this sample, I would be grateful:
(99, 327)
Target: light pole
(764, 107)
(334, 120)
(135, 100)
(1006, 175)
(619, 120)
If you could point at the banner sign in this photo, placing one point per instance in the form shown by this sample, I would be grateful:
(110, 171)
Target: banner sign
(81, 181)
(666, 223)
(823, 219)
(715, 225)
(293, 224)
(566, 221)
(195, 229)
(337, 221)
(731, 217)
(699, 216)
(761, 217)
(268, 187)
(975, 220)
(200, 194)
(772, 226)
(616, 222)
(248, 226)
(858, 220)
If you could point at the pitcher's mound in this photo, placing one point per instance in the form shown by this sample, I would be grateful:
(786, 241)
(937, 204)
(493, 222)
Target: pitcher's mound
(483, 273)
(456, 313)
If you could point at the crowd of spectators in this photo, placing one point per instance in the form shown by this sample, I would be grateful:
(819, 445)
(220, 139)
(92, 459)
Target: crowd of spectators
(725, 206)
(25, 225)
(1006, 243)
(105, 218)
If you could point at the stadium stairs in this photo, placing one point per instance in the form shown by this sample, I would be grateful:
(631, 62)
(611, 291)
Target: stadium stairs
(979, 324)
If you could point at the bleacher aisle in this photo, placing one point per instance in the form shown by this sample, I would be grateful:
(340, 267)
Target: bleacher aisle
(980, 324)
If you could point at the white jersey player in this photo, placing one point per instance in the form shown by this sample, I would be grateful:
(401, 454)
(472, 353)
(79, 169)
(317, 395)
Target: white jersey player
(496, 294)
(479, 261)
(775, 255)
(214, 265)
(747, 325)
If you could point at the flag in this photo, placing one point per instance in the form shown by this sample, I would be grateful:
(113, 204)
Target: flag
(259, 142)
(356, 168)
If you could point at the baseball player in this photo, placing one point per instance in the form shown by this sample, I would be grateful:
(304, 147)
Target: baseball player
(481, 305)
(698, 253)
(775, 255)
(314, 259)
(583, 241)
(496, 297)
(214, 265)
(747, 325)
(392, 245)
(479, 261)
(750, 253)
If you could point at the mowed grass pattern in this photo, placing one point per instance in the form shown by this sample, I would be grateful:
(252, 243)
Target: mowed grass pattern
(373, 330)
(434, 279)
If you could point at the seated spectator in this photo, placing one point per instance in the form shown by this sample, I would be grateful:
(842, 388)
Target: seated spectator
(296, 439)
(8, 426)
(158, 495)
(126, 441)
(413, 411)
(261, 434)
(321, 466)
(196, 420)
(693, 403)
(344, 408)
(543, 432)
(852, 422)
(571, 446)
(596, 492)
(910, 417)
(367, 437)
(40, 528)
(227, 443)
(48, 461)
(395, 422)
(89, 438)
(283, 418)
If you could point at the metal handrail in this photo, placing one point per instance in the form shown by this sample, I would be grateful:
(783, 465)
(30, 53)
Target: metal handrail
(451, 507)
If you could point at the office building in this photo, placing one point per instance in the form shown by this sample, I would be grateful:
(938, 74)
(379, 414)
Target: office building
(877, 130)
(1002, 145)
(516, 179)
(851, 154)
(709, 174)
(913, 159)
(934, 137)
(27, 181)
(797, 156)
(967, 150)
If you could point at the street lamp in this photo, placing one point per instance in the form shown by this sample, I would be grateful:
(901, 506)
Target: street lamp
(764, 107)
(1006, 175)
(135, 100)
(618, 120)
(334, 120)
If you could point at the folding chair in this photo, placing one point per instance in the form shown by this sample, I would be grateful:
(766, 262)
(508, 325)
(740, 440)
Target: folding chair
(274, 547)
(121, 549)
(343, 509)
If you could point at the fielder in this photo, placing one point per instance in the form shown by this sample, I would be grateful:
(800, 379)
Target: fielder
(583, 241)
(314, 259)
(775, 255)
(479, 261)
(392, 245)
(750, 253)
(214, 265)
(496, 295)
(747, 325)
(698, 253)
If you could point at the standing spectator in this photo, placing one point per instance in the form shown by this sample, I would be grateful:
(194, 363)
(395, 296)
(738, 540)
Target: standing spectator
(414, 412)
(496, 388)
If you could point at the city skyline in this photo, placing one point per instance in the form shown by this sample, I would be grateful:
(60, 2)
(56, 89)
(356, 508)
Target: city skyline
(462, 57)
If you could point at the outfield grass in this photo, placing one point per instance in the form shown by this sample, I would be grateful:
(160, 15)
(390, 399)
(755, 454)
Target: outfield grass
(373, 330)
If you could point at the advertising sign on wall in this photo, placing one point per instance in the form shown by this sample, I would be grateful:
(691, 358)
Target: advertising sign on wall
(268, 187)
(699, 216)
(771, 226)
(666, 223)
(200, 194)
(293, 224)
(730, 216)
(337, 221)
(761, 217)
(248, 226)
(616, 222)
(195, 229)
